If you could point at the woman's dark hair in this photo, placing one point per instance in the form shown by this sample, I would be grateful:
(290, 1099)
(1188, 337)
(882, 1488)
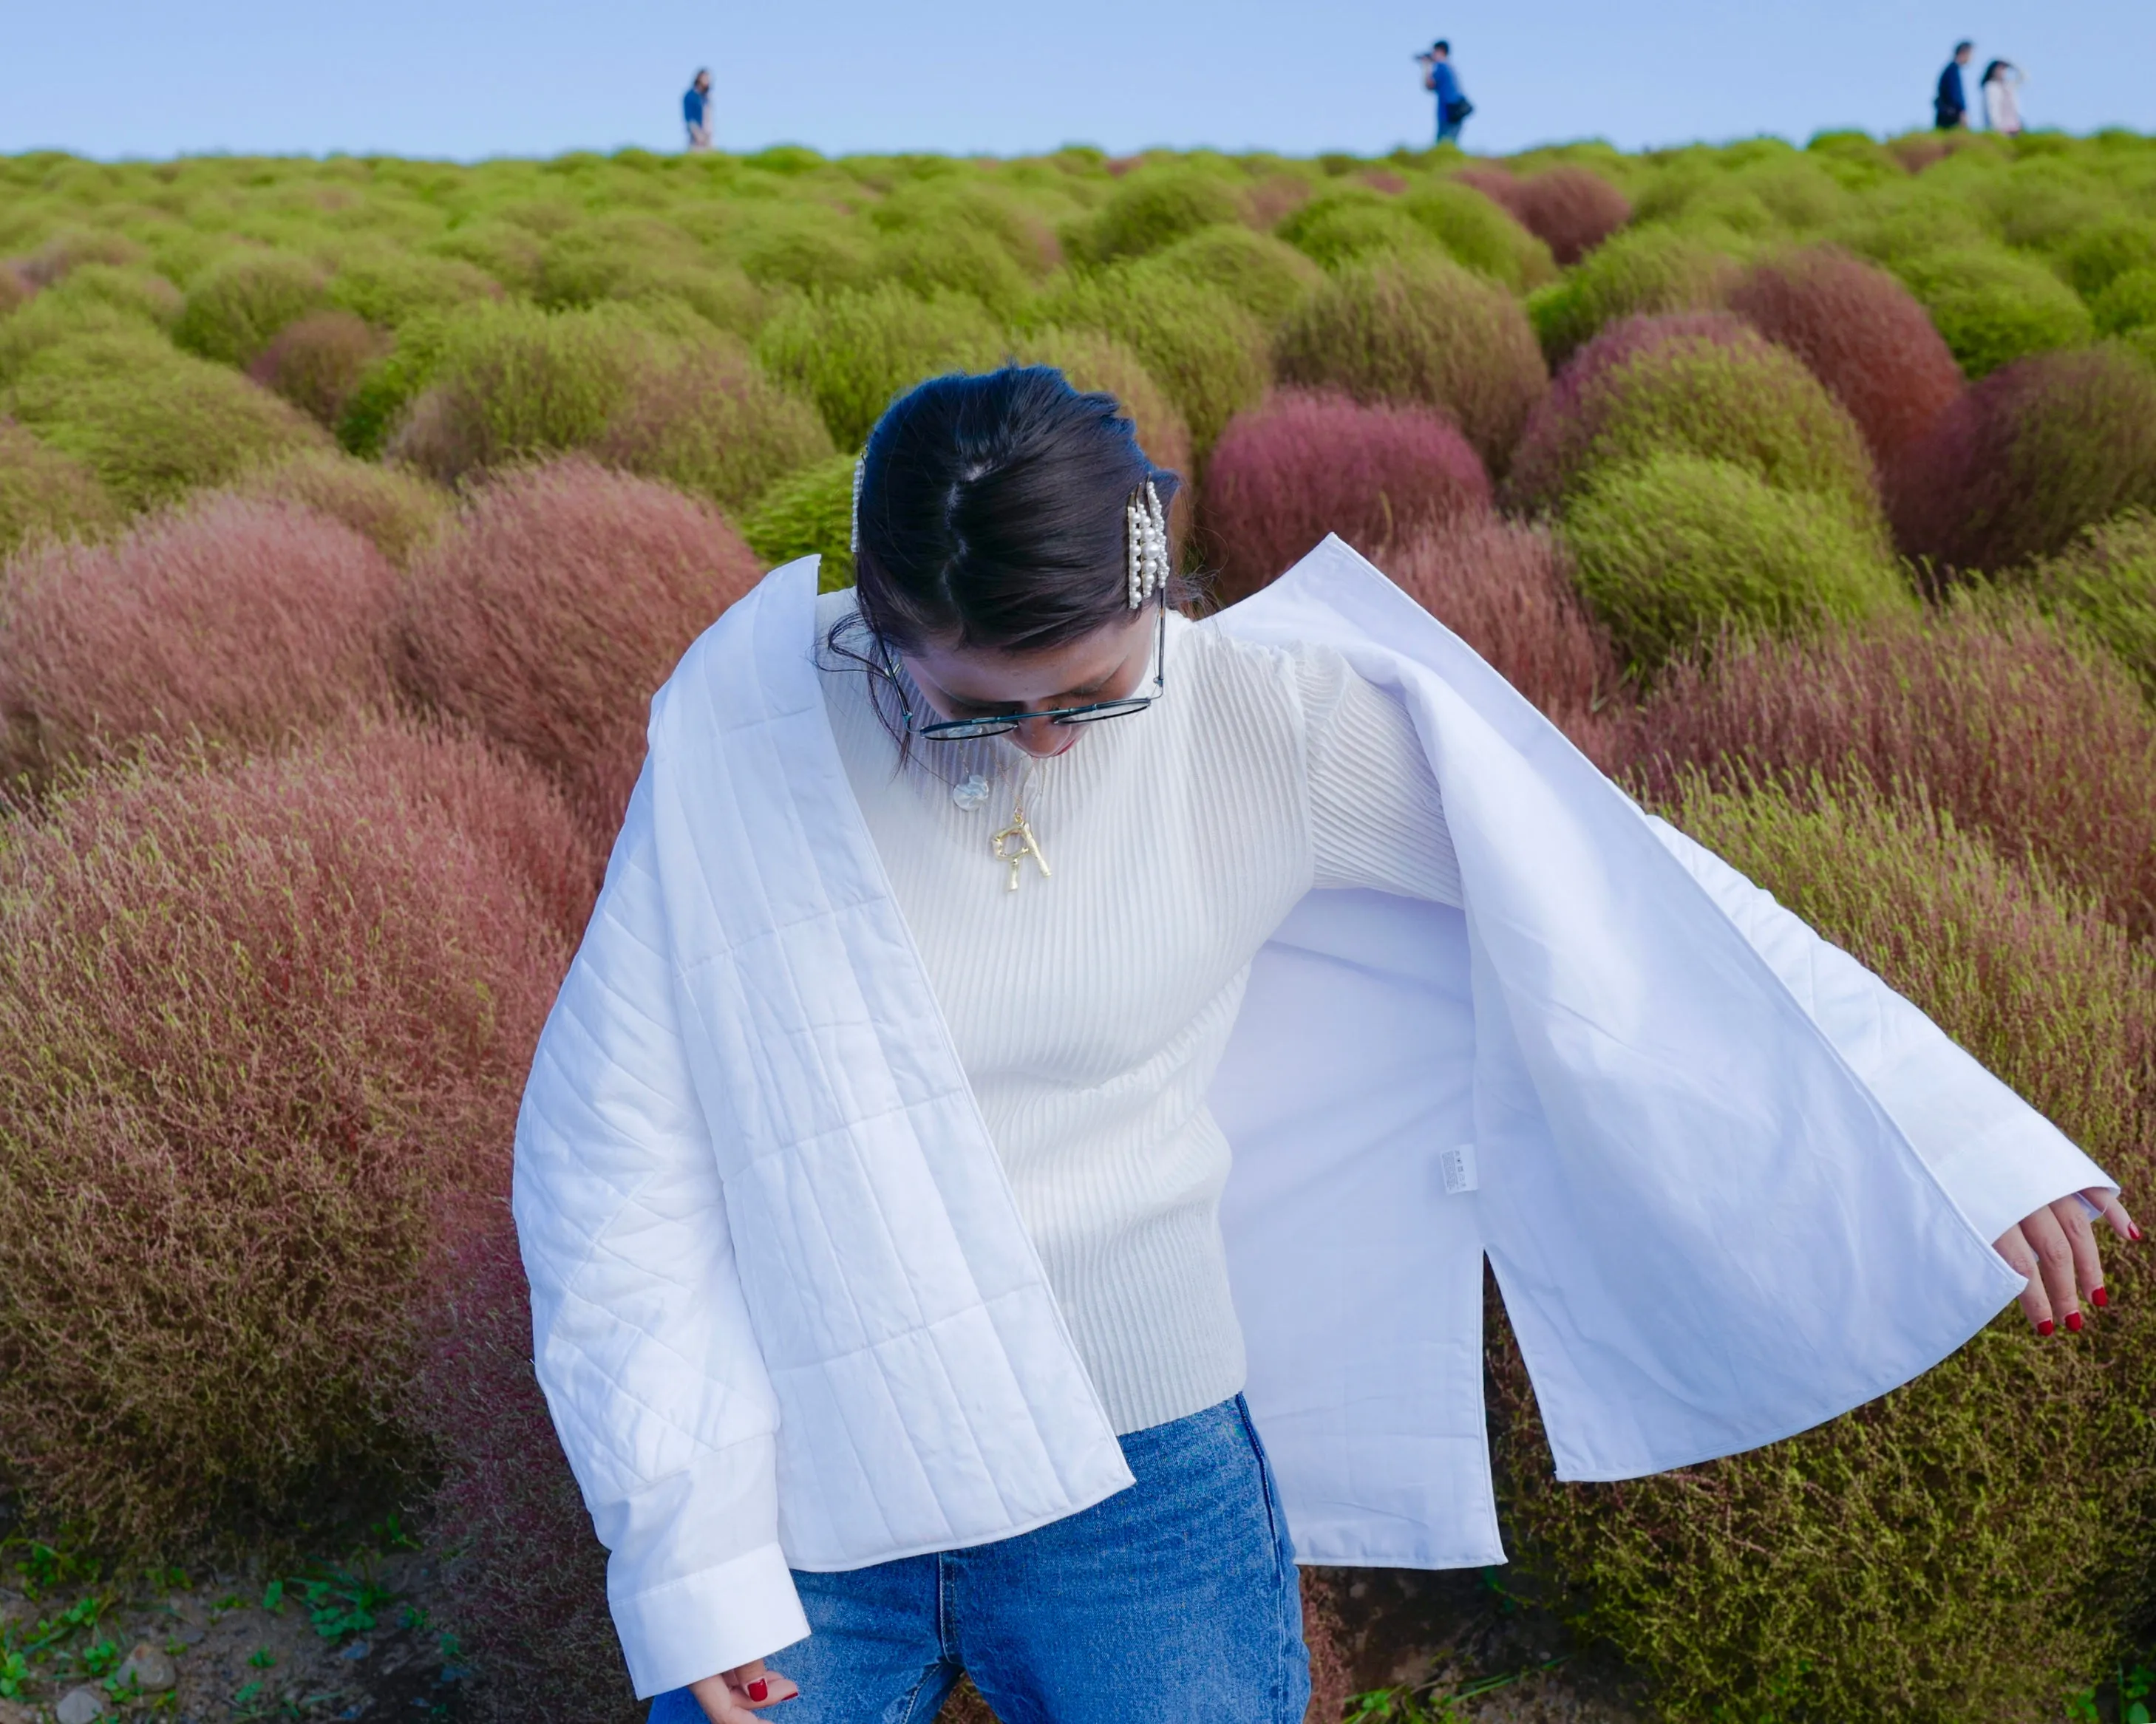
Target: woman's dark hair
(991, 513)
(1995, 70)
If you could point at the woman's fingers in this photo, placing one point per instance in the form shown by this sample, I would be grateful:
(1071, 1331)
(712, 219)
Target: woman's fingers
(2055, 1262)
(733, 1696)
(2021, 1257)
(2073, 1215)
(2114, 1213)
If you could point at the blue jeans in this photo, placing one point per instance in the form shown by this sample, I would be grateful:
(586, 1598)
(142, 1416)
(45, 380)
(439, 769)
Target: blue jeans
(1174, 1600)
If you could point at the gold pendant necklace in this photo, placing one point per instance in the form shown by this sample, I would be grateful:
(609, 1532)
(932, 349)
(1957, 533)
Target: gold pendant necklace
(1016, 841)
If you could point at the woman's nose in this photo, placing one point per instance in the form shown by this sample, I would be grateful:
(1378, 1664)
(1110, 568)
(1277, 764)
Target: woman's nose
(1043, 737)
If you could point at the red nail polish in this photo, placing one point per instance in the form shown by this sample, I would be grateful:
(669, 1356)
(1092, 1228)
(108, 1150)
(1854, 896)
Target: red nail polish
(2044, 1328)
(759, 1692)
(2099, 1299)
(2134, 1233)
(2073, 1322)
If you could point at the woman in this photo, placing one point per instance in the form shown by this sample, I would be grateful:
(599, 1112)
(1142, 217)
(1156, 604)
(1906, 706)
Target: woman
(889, 1285)
(2002, 110)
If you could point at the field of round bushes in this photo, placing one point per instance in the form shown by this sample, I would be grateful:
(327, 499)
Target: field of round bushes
(352, 510)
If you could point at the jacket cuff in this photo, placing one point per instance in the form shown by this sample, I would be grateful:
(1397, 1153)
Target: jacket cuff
(2013, 1171)
(714, 1620)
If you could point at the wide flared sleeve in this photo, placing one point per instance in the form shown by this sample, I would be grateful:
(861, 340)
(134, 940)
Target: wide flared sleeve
(641, 1334)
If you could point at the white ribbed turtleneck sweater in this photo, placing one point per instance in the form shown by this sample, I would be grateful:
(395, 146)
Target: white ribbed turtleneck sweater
(1091, 1008)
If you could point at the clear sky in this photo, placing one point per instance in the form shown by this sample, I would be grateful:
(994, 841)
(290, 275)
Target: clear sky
(472, 77)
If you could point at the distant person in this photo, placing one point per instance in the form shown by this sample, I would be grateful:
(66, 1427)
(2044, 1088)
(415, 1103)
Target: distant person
(696, 110)
(2002, 110)
(1439, 77)
(1950, 106)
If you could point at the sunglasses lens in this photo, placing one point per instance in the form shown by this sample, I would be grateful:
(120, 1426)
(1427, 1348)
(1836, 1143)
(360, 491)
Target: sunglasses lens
(1113, 709)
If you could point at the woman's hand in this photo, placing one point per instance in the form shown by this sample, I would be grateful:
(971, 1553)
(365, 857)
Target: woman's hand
(731, 1696)
(2055, 1247)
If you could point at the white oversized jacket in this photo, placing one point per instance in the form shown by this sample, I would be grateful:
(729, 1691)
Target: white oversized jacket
(784, 1311)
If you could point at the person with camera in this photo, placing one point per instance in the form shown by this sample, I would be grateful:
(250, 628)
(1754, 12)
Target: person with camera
(1439, 77)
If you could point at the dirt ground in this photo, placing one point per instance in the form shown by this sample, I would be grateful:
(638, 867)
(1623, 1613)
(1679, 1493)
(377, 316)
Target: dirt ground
(320, 1645)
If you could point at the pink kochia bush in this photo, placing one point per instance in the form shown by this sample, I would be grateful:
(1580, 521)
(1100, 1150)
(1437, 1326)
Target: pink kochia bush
(2021, 732)
(1506, 589)
(1284, 474)
(261, 1024)
(242, 619)
(2039, 449)
(532, 1601)
(1862, 333)
(551, 614)
(1571, 210)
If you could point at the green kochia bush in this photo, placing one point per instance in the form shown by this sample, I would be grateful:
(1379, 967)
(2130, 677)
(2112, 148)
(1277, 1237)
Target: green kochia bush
(390, 288)
(394, 509)
(1154, 208)
(151, 423)
(1674, 548)
(807, 514)
(2128, 301)
(2105, 580)
(1266, 277)
(1703, 384)
(851, 352)
(232, 312)
(1349, 224)
(1637, 273)
(1477, 232)
(1422, 330)
(503, 383)
(707, 419)
(259, 1026)
(1195, 340)
(1994, 306)
(1971, 1545)
(43, 492)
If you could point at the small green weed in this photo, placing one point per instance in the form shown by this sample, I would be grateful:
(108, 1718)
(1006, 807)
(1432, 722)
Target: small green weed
(261, 1658)
(1421, 1703)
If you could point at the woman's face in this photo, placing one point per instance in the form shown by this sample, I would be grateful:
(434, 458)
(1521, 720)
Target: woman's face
(1105, 665)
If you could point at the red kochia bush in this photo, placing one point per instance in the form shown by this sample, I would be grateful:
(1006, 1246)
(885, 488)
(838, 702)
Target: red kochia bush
(1571, 210)
(2018, 730)
(1863, 333)
(2026, 459)
(551, 614)
(1287, 473)
(259, 1023)
(1506, 589)
(316, 362)
(530, 1597)
(242, 618)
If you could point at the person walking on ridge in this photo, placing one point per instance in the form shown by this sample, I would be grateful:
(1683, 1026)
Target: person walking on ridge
(696, 110)
(1950, 102)
(1439, 77)
(2002, 110)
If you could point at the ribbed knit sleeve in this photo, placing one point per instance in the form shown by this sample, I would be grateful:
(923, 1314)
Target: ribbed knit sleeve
(1376, 817)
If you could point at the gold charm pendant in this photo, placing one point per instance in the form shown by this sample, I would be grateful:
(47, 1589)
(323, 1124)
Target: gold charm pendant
(1014, 844)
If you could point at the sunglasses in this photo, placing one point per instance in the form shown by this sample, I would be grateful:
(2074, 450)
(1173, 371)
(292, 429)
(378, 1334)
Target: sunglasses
(968, 729)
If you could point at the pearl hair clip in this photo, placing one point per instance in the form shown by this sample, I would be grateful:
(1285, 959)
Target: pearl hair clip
(853, 543)
(1148, 524)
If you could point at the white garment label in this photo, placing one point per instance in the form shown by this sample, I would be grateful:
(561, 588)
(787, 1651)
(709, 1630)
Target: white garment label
(1459, 1165)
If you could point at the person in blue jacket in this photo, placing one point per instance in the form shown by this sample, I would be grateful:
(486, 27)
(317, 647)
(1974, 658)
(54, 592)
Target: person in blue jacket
(1950, 102)
(1439, 77)
(696, 110)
